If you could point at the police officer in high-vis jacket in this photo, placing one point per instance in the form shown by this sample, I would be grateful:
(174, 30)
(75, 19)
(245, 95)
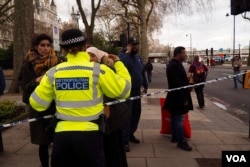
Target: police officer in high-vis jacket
(77, 87)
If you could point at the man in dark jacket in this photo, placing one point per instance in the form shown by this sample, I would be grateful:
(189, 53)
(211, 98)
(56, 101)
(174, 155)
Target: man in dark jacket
(2, 82)
(149, 69)
(135, 66)
(199, 72)
(178, 102)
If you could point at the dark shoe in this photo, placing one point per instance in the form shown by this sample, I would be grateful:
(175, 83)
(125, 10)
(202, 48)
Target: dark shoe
(133, 139)
(200, 108)
(127, 148)
(173, 140)
(184, 146)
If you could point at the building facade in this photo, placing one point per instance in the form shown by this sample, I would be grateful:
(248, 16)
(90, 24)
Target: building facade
(45, 15)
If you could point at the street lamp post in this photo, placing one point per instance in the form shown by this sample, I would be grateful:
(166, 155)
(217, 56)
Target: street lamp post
(169, 52)
(234, 38)
(191, 50)
(239, 50)
(233, 35)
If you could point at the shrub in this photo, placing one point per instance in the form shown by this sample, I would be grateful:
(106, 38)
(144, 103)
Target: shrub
(7, 109)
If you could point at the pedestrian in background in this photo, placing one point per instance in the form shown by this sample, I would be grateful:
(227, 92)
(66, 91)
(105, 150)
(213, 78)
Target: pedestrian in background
(207, 62)
(77, 87)
(236, 65)
(149, 69)
(212, 63)
(39, 59)
(198, 71)
(117, 115)
(2, 82)
(135, 66)
(178, 102)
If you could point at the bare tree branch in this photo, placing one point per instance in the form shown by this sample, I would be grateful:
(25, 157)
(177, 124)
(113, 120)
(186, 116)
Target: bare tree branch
(89, 26)
(5, 15)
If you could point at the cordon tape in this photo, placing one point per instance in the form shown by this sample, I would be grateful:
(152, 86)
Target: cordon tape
(129, 99)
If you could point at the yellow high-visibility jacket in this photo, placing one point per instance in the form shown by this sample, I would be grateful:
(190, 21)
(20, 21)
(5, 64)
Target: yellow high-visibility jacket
(77, 86)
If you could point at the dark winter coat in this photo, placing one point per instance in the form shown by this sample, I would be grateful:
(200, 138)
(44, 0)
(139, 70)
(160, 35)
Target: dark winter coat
(2, 82)
(136, 69)
(175, 100)
(119, 115)
(28, 84)
(149, 67)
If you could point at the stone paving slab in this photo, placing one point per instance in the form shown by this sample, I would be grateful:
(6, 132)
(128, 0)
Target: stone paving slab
(19, 160)
(233, 139)
(171, 150)
(171, 162)
(137, 162)
(141, 150)
(154, 136)
(208, 151)
(205, 138)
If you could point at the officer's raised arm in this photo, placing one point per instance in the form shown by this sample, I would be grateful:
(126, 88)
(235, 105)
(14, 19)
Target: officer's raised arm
(115, 85)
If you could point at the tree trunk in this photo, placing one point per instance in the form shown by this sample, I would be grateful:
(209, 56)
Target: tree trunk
(143, 30)
(89, 34)
(23, 32)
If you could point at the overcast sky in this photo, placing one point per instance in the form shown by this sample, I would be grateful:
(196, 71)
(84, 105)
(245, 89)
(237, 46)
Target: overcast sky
(207, 31)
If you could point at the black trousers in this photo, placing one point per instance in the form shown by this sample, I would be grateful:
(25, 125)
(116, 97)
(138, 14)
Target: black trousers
(200, 95)
(76, 148)
(115, 154)
(44, 155)
(135, 113)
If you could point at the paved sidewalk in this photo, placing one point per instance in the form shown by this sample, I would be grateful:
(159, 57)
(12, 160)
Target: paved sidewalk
(213, 130)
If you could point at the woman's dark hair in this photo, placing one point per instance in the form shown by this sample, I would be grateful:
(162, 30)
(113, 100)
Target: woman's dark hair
(37, 38)
(178, 50)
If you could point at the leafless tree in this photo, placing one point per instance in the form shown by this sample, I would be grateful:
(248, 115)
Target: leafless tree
(142, 16)
(149, 15)
(89, 26)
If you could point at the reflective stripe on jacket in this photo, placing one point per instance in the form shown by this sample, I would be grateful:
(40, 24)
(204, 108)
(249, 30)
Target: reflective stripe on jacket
(77, 86)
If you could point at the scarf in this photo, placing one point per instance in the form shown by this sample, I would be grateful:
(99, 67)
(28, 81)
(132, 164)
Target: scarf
(41, 64)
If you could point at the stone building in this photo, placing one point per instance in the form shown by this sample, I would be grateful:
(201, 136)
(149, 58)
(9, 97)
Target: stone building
(45, 15)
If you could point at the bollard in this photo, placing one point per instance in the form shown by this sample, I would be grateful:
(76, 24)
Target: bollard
(1, 142)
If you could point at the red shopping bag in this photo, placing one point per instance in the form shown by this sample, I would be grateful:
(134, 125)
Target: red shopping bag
(165, 122)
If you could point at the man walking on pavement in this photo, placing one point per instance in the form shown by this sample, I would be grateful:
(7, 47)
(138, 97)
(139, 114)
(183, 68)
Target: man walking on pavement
(149, 69)
(134, 64)
(236, 64)
(178, 102)
(198, 71)
(2, 82)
